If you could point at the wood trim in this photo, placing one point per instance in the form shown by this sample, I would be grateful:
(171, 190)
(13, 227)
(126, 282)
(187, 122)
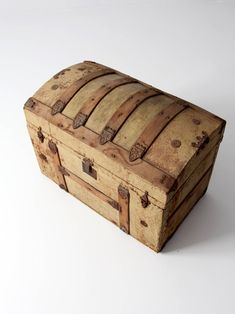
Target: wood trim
(123, 112)
(57, 165)
(90, 188)
(60, 104)
(153, 129)
(124, 215)
(86, 110)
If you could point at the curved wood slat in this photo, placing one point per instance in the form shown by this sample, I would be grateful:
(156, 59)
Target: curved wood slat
(154, 128)
(93, 101)
(123, 112)
(60, 104)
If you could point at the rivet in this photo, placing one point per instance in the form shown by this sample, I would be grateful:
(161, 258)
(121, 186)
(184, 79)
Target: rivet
(176, 143)
(196, 121)
(54, 87)
(62, 186)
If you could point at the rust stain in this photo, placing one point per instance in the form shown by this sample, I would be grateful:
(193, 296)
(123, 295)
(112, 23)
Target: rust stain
(43, 157)
(144, 223)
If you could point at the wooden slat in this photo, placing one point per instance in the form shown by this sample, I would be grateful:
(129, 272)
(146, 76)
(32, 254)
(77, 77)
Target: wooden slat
(57, 164)
(153, 129)
(60, 104)
(188, 134)
(123, 112)
(79, 99)
(93, 101)
(173, 97)
(184, 209)
(98, 201)
(139, 119)
(124, 215)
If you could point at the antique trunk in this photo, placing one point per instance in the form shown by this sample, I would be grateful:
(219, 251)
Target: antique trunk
(138, 156)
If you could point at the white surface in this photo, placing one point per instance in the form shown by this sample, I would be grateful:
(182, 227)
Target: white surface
(57, 256)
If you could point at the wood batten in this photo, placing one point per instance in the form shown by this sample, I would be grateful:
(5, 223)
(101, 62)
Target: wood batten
(124, 215)
(93, 101)
(61, 103)
(154, 128)
(123, 112)
(174, 221)
(181, 141)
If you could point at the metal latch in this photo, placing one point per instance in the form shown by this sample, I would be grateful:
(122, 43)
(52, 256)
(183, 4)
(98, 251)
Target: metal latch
(87, 167)
(144, 200)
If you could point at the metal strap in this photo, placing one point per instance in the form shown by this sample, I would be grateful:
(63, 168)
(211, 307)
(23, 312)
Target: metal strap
(60, 104)
(93, 101)
(123, 112)
(154, 128)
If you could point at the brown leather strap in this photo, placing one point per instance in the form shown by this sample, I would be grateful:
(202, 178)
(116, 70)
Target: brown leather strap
(93, 101)
(75, 87)
(123, 112)
(154, 128)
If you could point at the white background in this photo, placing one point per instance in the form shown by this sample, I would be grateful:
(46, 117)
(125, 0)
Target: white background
(58, 256)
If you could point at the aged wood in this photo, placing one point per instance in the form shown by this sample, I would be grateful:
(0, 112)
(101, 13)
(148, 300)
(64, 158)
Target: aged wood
(108, 106)
(93, 198)
(81, 97)
(137, 155)
(52, 90)
(57, 164)
(122, 113)
(154, 128)
(139, 119)
(93, 101)
(173, 159)
(74, 88)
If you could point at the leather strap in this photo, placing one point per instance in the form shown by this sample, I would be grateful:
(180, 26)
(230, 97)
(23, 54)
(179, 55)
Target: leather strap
(93, 101)
(123, 112)
(75, 87)
(154, 128)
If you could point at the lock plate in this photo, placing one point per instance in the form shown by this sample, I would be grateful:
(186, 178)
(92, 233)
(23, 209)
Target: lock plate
(87, 167)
